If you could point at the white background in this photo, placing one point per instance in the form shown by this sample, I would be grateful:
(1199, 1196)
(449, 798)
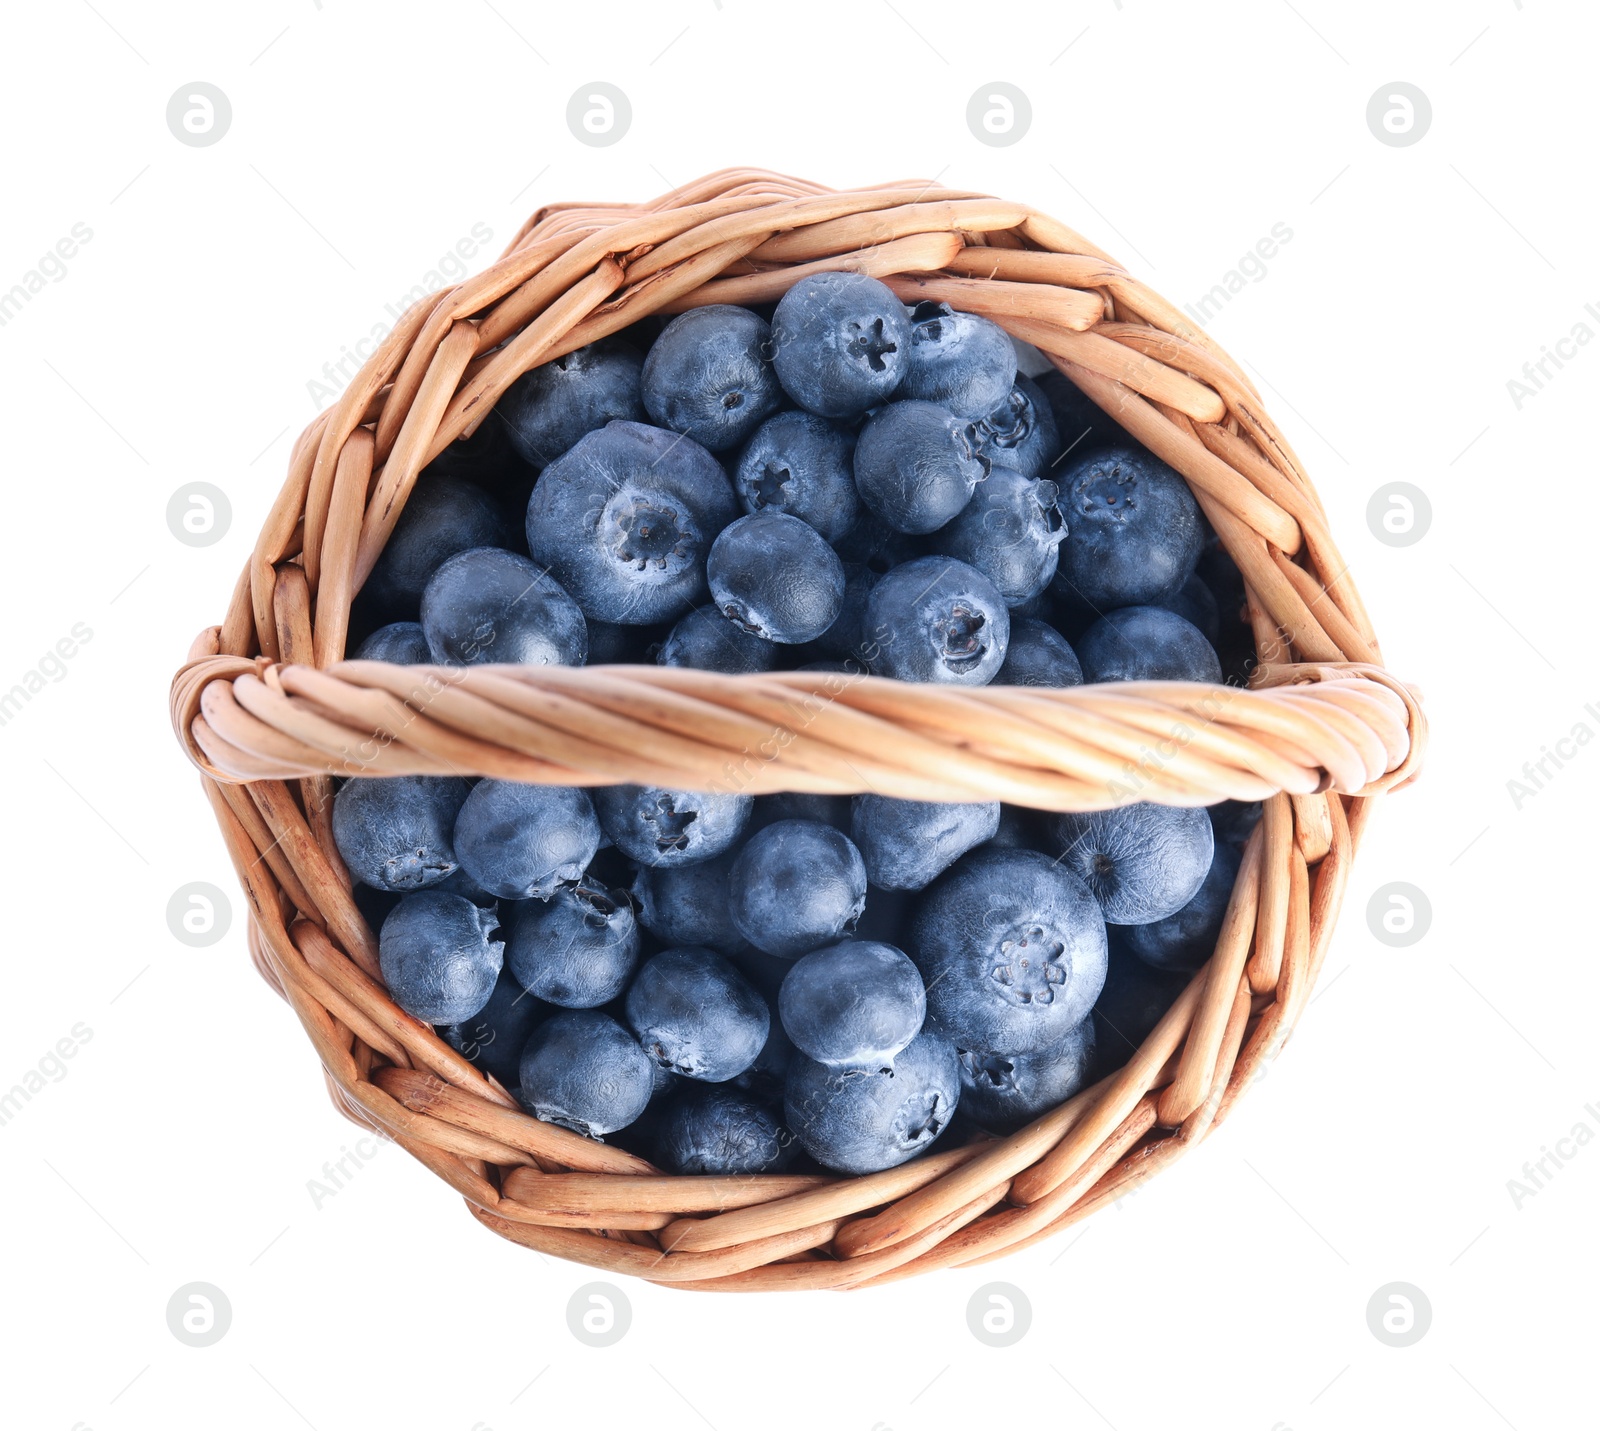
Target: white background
(366, 140)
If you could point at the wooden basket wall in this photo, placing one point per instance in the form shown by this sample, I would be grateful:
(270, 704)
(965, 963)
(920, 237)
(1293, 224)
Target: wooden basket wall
(270, 713)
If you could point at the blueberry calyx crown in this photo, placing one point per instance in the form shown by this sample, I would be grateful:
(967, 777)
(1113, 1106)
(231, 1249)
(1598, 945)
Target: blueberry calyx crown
(769, 487)
(917, 1127)
(1027, 964)
(671, 825)
(961, 637)
(649, 534)
(867, 341)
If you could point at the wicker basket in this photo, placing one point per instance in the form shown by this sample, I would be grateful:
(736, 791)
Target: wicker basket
(268, 711)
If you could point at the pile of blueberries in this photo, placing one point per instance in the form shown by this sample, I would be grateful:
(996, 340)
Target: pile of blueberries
(733, 984)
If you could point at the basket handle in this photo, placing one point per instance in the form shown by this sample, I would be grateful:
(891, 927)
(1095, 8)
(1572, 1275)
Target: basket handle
(1302, 728)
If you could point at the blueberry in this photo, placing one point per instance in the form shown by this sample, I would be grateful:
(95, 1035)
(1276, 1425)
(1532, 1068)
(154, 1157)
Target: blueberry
(1010, 531)
(938, 619)
(523, 841)
(577, 949)
(1195, 603)
(706, 640)
(696, 1015)
(848, 638)
(493, 1038)
(776, 578)
(959, 360)
(395, 832)
(1021, 431)
(625, 518)
(852, 1005)
(670, 827)
(1038, 655)
(796, 886)
(917, 465)
(800, 805)
(1142, 862)
(721, 1131)
(1081, 426)
(874, 544)
(1146, 643)
(1012, 949)
(611, 644)
(549, 408)
(1132, 1003)
(800, 464)
(839, 343)
(437, 957)
(460, 882)
(907, 844)
(688, 904)
(863, 1122)
(442, 516)
(1133, 528)
(1006, 1091)
(401, 643)
(583, 1071)
(765, 1077)
(491, 606)
(709, 375)
(1019, 829)
(1185, 940)
(1233, 820)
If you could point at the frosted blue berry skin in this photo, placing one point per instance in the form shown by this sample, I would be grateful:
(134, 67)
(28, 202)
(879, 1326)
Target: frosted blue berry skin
(524, 841)
(444, 515)
(706, 640)
(578, 949)
(660, 827)
(583, 1071)
(1012, 949)
(937, 619)
(1011, 531)
(696, 1015)
(688, 904)
(907, 844)
(801, 464)
(863, 1122)
(839, 343)
(855, 1004)
(398, 832)
(958, 360)
(1134, 531)
(710, 375)
(548, 409)
(917, 465)
(438, 956)
(775, 577)
(624, 520)
(1141, 862)
(796, 886)
(1021, 431)
(401, 643)
(489, 606)
(1038, 655)
(1005, 1092)
(719, 1130)
(1146, 643)
(494, 1037)
(1185, 939)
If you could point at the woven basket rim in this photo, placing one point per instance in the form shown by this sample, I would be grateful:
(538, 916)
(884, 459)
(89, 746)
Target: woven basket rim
(270, 712)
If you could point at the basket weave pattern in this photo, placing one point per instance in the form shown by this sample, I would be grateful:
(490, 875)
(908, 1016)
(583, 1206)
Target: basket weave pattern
(270, 712)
